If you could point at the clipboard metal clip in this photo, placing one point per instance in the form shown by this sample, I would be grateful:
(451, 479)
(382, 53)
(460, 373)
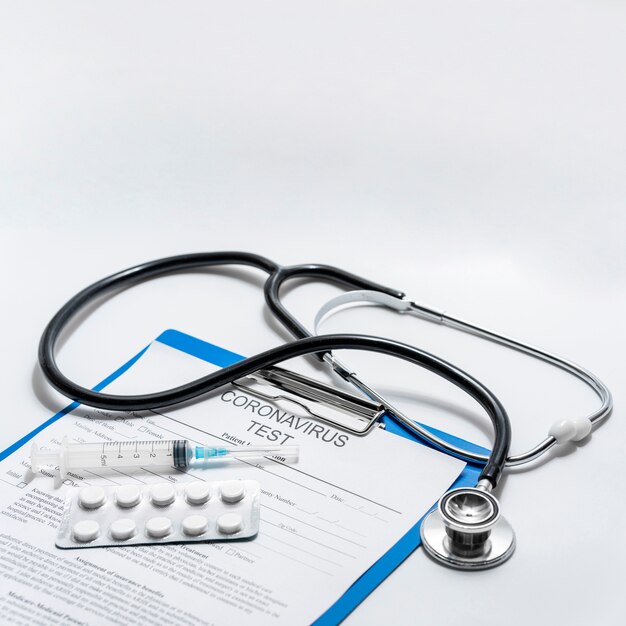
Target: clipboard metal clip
(325, 403)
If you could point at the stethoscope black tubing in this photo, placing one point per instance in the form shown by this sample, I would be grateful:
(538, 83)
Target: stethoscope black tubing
(276, 279)
(307, 345)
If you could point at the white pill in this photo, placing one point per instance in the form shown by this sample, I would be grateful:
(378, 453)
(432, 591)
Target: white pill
(195, 525)
(232, 491)
(229, 523)
(127, 496)
(159, 526)
(123, 529)
(92, 497)
(162, 495)
(86, 530)
(197, 493)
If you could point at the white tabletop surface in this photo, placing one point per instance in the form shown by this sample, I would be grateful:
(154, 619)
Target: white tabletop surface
(472, 154)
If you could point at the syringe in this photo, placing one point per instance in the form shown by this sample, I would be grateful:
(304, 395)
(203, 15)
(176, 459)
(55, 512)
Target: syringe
(179, 453)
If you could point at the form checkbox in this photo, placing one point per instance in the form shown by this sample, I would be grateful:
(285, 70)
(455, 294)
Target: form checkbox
(21, 485)
(142, 429)
(231, 552)
(67, 481)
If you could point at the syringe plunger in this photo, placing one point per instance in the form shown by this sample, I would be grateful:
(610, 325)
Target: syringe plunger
(180, 453)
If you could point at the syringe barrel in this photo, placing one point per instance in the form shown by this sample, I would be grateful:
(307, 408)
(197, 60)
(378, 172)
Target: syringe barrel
(111, 454)
(179, 453)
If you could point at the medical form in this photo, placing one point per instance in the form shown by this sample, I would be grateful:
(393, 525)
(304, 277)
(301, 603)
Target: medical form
(324, 520)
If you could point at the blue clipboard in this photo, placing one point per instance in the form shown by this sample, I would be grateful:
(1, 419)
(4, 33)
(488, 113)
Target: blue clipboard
(221, 357)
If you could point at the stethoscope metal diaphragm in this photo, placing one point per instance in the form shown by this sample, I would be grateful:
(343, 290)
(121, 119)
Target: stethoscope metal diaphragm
(466, 531)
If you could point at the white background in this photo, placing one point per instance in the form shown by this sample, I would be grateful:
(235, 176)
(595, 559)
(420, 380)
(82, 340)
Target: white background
(470, 153)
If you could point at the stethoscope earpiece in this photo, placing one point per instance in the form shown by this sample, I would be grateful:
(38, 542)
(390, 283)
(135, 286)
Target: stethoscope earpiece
(466, 530)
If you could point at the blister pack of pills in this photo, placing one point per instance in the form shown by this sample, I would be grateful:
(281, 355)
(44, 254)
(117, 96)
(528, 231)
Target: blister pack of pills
(161, 513)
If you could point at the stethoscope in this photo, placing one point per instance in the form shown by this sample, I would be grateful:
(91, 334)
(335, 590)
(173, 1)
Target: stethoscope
(466, 530)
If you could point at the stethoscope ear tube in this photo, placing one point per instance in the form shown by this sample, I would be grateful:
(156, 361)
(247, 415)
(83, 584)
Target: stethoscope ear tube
(334, 275)
(561, 431)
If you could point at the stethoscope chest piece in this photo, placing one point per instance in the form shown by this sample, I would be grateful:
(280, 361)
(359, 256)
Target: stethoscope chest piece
(466, 531)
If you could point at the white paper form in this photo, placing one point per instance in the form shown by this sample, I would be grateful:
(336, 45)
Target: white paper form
(324, 521)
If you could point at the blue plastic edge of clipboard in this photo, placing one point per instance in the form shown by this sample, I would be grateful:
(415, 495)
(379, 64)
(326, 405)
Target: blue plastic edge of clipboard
(221, 357)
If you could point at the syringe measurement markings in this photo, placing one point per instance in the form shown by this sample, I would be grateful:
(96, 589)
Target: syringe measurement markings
(140, 448)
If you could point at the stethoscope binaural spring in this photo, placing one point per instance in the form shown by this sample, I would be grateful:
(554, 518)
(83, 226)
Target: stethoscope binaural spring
(467, 530)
